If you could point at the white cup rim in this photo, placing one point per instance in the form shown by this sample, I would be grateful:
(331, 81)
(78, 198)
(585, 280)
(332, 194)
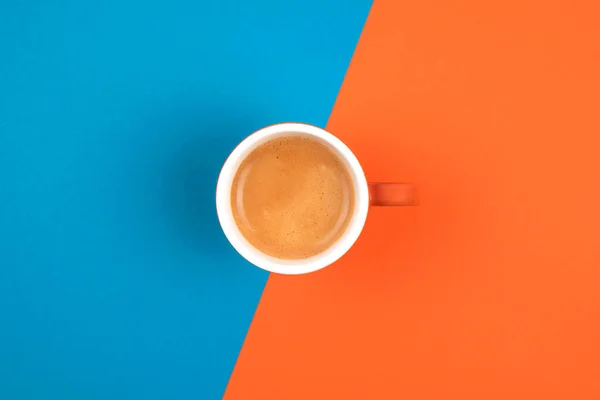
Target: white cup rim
(298, 266)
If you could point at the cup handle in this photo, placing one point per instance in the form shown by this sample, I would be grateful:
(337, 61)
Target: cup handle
(392, 194)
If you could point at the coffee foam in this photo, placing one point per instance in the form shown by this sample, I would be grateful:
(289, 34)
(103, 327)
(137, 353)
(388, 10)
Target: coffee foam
(292, 197)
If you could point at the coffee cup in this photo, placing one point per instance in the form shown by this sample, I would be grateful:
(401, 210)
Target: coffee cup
(292, 167)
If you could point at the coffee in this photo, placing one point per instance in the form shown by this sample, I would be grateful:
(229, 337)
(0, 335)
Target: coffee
(292, 197)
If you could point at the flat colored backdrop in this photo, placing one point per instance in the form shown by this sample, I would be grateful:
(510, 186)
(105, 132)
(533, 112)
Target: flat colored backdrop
(490, 289)
(115, 117)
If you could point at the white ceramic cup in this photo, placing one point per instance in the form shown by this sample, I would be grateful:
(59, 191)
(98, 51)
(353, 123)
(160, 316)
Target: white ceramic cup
(362, 200)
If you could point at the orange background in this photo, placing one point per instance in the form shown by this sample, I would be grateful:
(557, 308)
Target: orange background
(491, 287)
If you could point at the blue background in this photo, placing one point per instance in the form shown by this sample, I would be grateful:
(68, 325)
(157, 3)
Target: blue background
(115, 118)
